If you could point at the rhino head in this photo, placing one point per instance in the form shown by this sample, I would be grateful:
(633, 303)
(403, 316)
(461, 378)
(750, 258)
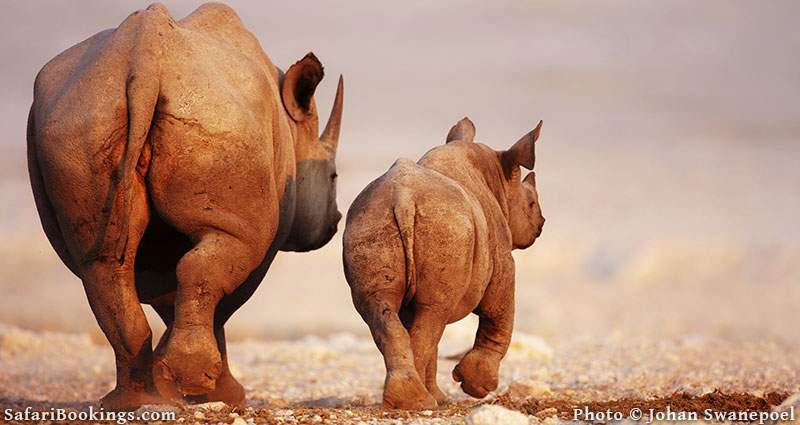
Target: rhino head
(525, 218)
(316, 214)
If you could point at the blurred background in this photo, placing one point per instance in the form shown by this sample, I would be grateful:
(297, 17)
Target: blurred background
(668, 167)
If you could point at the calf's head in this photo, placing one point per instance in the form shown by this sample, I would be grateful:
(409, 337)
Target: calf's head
(524, 212)
(316, 215)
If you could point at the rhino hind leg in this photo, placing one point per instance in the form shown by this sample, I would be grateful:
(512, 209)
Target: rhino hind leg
(111, 291)
(403, 388)
(113, 300)
(227, 390)
(425, 333)
(44, 207)
(191, 362)
(430, 378)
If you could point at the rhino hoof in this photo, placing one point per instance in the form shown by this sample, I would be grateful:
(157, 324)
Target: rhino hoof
(190, 364)
(122, 399)
(405, 391)
(478, 373)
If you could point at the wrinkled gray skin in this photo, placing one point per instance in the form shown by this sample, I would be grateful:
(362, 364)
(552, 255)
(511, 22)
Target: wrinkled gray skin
(313, 227)
(170, 161)
(428, 243)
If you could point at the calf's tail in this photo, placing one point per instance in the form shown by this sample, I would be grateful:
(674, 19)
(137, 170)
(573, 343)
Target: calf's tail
(404, 215)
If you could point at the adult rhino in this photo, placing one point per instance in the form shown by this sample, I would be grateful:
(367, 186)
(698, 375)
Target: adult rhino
(170, 161)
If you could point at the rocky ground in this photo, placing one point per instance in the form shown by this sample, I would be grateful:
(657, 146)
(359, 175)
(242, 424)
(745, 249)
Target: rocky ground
(338, 378)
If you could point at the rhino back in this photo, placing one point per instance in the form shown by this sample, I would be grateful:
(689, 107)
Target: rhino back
(83, 89)
(221, 21)
(212, 98)
(442, 223)
(221, 138)
(476, 168)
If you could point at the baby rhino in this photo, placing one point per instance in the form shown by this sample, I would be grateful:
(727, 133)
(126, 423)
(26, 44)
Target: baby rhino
(426, 244)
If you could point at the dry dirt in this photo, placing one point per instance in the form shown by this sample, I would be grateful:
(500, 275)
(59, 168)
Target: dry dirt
(338, 378)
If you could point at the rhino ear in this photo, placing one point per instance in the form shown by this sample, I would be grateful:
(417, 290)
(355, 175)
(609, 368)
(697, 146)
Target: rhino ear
(522, 153)
(298, 86)
(463, 130)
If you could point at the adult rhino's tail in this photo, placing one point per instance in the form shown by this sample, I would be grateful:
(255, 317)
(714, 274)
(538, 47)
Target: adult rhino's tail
(404, 213)
(141, 89)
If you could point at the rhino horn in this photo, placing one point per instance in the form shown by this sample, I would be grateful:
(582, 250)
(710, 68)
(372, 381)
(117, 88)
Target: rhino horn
(330, 136)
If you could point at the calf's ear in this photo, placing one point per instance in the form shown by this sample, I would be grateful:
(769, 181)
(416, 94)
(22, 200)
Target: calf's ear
(463, 130)
(522, 153)
(299, 84)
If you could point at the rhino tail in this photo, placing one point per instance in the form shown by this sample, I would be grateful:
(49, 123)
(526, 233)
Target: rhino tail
(142, 88)
(404, 214)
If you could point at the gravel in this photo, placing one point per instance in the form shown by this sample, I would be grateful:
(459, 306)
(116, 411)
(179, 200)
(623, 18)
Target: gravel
(338, 378)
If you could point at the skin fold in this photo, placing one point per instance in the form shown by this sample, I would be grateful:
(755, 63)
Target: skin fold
(429, 242)
(170, 161)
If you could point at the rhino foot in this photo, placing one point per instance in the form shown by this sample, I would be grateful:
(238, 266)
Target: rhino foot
(441, 398)
(405, 391)
(125, 399)
(228, 390)
(478, 372)
(190, 363)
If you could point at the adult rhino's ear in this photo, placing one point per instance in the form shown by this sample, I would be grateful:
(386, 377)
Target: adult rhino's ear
(522, 153)
(463, 130)
(299, 84)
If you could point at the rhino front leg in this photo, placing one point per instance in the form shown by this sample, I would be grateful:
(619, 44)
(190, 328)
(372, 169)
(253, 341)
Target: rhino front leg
(228, 389)
(167, 314)
(478, 370)
(191, 362)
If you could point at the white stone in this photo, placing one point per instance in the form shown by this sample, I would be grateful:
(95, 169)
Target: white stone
(529, 388)
(284, 412)
(490, 414)
(546, 413)
(214, 406)
(552, 420)
(793, 400)
(526, 346)
(791, 403)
